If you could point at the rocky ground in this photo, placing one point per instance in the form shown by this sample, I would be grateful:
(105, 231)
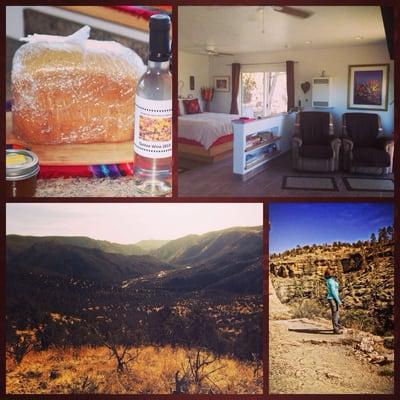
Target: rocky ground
(305, 357)
(323, 363)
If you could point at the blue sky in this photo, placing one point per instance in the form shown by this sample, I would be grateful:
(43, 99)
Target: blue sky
(295, 224)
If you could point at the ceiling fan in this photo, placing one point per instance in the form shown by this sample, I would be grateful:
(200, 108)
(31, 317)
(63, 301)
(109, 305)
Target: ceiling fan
(293, 11)
(212, 51)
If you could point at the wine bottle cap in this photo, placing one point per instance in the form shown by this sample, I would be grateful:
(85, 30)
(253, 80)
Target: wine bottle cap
(159, 37)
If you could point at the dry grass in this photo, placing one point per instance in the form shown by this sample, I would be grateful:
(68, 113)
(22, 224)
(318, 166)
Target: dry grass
(308, 308)
(90, 370)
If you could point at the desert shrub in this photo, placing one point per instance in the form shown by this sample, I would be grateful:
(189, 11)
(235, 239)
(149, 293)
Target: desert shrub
(20, 345)
(358, 319)
(384, 321)
(51, 333)
(309, 308)
(198, 373)
(201, 330)
(166, 327)
(111, 338)
(386, 372)
(83, 385)
(249, 343)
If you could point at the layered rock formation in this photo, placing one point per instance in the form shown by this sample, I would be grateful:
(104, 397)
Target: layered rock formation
(365, 272)
(276, 309)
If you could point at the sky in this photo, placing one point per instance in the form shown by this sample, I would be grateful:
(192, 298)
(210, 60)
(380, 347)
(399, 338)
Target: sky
(302, 224)
(128, 222)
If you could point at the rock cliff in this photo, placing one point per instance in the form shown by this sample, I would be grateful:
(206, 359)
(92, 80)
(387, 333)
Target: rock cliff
(365, 272)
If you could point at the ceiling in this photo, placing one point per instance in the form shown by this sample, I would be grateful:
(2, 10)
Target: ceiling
(240, 29)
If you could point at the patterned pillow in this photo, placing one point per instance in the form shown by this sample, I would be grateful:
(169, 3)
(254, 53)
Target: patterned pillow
(192, 106)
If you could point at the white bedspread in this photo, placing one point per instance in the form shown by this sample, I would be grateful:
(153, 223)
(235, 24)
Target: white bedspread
(205, 127)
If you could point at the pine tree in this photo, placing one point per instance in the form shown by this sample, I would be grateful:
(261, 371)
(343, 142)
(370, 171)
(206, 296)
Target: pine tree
(382, 236)
(390, 232)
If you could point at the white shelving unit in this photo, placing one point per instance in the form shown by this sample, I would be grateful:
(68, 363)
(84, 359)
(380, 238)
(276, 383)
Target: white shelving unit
(251, 157)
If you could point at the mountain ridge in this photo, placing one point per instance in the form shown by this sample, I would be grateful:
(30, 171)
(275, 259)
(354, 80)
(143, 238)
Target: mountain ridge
(82, 263)
(169, 250)
(215, 260)
(148, 245)
(21, 242)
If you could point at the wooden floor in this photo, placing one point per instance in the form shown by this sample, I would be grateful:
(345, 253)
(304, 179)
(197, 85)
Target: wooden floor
(217, 180)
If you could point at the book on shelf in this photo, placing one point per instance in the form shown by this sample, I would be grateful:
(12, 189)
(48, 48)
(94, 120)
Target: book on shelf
(252, 159)
(267, 136)
(256, 139)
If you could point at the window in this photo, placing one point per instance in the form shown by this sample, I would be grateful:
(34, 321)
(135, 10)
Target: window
(263, 93)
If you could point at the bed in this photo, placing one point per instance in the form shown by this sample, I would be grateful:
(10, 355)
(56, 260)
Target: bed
(205, 136)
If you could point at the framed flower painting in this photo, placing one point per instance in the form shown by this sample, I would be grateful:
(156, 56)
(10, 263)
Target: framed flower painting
(368, 87)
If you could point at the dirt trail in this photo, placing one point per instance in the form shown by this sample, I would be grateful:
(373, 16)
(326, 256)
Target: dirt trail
(306, 357)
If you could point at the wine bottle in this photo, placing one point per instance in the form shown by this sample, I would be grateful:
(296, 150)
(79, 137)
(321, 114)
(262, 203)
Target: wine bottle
(152, 166)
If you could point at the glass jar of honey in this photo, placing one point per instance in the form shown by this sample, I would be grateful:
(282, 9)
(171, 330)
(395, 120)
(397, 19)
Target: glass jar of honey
(22, 167)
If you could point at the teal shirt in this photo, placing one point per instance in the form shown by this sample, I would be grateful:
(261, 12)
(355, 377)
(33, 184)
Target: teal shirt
(332, 287)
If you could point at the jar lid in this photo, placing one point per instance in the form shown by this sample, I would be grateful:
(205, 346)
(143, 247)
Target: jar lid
(21, 164)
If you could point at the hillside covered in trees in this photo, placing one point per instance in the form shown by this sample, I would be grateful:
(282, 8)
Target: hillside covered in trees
(184, 316)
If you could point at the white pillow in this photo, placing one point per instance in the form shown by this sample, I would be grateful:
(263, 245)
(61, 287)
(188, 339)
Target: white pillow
(181, 107)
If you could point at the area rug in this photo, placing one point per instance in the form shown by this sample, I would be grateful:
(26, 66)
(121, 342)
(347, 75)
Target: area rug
(325, 183)
(368, 184)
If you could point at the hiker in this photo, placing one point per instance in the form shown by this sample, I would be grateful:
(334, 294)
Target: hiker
(332, 287)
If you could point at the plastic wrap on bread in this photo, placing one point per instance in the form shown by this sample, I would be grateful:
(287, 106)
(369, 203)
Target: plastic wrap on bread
(74, 90)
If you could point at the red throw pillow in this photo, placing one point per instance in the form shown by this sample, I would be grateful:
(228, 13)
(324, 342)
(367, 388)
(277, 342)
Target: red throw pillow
(192, 106)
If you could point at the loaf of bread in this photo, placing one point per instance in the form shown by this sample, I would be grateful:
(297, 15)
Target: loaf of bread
(74, 90)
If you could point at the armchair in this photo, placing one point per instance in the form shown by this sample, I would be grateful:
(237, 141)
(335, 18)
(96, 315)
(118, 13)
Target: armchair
(314, 145)
(365, 149)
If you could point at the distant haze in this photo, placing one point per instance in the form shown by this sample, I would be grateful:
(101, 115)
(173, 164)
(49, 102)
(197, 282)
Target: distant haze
(128, 223)
(303, 224)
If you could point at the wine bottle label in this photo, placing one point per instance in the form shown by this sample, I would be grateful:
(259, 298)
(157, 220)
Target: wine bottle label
(153, 128)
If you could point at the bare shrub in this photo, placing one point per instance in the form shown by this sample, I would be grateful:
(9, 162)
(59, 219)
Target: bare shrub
(200, 367)
(21, 347)
(257, 365)
(181, 383)
(84, 385)
(123, 354)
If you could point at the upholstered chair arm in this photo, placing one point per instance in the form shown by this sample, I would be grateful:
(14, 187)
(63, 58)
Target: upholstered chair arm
(385, 143)
(335, 143)
(347, 144)
(331, 129)
(390, 149)
(297, 141)
(344, 130)
(296, 144)
(380, 129)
